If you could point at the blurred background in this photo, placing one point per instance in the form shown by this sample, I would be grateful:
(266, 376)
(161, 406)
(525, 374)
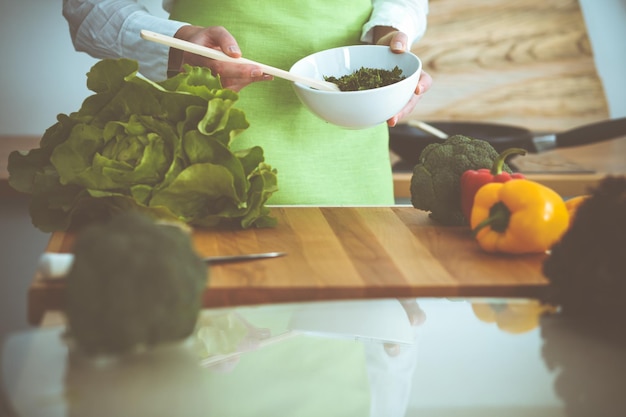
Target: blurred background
(42, 75)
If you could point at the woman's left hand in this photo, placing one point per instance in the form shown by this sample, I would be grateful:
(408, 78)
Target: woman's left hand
(397, 41)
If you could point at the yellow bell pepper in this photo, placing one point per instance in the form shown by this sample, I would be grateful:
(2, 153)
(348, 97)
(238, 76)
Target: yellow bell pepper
(513, 317)
(518, 216)
(573, 204)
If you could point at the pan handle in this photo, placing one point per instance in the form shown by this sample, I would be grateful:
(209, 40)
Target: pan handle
(591, 133)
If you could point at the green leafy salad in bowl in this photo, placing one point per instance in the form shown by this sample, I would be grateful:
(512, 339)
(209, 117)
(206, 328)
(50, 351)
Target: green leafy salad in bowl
(160, 148)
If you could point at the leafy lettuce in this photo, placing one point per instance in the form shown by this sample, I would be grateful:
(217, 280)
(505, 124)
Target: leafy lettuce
(160, 148)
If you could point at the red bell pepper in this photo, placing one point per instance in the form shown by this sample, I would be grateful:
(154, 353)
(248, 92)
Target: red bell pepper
(472, 180)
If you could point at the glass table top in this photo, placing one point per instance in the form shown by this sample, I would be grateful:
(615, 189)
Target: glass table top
(388, 357)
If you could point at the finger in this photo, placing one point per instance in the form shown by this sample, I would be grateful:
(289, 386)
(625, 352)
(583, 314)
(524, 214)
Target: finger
(237, 84)
(413, 311)
(424, 83)
(225, 69)
(255, 335)
(217, 37)
(392, 349)
(252, 341)
(398, 43)
(232, 70)
(225, 366)
(405, 111)
(225, 41)
(260, 333)
(233, 76)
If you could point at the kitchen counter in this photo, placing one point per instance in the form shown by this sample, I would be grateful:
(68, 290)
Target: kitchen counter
(372, 252)
(462, 358)
(340, 253)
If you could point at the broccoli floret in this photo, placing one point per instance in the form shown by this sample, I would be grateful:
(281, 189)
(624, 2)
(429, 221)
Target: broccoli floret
(587, 268)
(436, 177)
(133, 284)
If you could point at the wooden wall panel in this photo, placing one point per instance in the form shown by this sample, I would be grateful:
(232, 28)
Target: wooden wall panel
(525, 62)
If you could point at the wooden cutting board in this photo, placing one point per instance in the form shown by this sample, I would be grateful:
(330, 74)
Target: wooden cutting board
(527, 63)
(342, 253)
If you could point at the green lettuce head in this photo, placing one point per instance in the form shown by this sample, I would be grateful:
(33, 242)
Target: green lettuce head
(161, 148)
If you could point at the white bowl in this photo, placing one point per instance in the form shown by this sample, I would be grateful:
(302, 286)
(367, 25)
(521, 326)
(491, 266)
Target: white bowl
(357, 109)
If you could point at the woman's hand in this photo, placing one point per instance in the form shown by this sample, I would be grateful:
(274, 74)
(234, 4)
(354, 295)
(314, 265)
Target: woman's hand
(397, 41)
(416, 317)
(233, 76)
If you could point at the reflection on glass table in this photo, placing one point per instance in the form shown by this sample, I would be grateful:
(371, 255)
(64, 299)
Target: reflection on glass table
(422, 357)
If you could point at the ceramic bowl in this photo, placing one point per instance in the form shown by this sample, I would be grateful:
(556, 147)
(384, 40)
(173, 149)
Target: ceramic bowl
(357, 109)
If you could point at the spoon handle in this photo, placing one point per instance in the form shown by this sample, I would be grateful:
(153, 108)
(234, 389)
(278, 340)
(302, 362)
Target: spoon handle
(220, 56)
(428, 128)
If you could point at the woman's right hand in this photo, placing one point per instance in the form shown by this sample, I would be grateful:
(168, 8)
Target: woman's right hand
(232, 76)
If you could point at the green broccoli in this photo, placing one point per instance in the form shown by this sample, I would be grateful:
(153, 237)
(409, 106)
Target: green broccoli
(435, 181)
(134, 283)
(586, 268)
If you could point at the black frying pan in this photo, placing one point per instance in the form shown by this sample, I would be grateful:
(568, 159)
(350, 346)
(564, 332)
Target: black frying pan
(408, 142)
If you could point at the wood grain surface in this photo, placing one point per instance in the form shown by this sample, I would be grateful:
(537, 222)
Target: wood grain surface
(527, 63)
(341, 253)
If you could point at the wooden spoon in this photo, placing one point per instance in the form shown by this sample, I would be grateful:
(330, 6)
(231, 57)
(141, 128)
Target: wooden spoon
(423, 126)
(220, 56)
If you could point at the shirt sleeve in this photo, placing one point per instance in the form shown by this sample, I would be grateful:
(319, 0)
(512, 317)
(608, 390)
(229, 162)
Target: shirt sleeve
(110, 29)
(407, 16)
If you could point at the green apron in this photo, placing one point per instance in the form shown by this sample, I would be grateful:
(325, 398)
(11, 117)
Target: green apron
(317, 163)
(304, 376)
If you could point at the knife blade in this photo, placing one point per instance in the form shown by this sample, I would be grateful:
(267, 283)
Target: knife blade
(239, 258)
(57, 265)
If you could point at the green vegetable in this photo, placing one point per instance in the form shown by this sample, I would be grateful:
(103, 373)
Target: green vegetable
(219, 334)
(162, 148)
(586, 269)
(367, 78)
(133, 284)
(435, 183)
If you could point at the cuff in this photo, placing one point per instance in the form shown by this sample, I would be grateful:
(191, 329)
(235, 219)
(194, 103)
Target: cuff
(152, 56)
(410, 20)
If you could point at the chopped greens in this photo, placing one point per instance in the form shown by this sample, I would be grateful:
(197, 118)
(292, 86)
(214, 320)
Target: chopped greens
(367, 79)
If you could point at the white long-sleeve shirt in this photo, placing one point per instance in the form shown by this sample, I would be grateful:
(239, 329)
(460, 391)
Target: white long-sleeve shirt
(110, 28)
